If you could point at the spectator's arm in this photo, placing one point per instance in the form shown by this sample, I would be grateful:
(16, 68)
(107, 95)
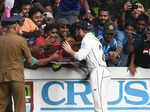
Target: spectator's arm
(123, 20)
(132, 67)
(35, 33)
(87, 9)
(85, 5)
(45, 61)
(36, 49)
(129, 47)
(126, 7)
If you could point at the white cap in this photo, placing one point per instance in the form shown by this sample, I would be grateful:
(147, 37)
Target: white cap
(48, 15)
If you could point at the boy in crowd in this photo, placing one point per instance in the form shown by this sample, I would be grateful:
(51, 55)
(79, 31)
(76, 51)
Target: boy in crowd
(128, 41)
(109, 44)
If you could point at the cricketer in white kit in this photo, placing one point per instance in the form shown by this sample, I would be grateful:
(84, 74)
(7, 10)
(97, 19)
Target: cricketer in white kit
(91, 51)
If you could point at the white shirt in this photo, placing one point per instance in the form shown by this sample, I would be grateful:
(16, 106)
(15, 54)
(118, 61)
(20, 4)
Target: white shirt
(91, 51)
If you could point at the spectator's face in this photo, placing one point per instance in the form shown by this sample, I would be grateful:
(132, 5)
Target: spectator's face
(48, 9)
(108, 36)
(49, 20)
(25, 10)
(103, 17)
(53, 33)
(141, 26)
(64, 30)
(138, 11)
(37, 18)
(129, 31)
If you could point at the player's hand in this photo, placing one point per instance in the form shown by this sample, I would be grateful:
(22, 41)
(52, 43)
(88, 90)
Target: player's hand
(66, 46)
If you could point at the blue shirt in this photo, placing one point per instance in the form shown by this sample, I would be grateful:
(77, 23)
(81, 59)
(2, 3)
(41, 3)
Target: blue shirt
(119, 35)
(110, 46)
(124, 55)
(68, 5)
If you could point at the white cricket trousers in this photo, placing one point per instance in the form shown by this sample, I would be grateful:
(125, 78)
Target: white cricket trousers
(100, 82)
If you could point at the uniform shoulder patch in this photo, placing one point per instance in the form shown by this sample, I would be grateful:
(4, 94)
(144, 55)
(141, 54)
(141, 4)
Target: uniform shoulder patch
(83, 45)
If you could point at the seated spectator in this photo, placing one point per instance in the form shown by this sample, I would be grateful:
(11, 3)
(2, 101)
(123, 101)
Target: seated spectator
(110, 45)
(128, 41)
(141, 55)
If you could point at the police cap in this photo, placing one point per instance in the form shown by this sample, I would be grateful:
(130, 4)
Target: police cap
(12, 20)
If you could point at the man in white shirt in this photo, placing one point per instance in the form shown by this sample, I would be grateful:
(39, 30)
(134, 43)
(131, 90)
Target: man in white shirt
(91, 51)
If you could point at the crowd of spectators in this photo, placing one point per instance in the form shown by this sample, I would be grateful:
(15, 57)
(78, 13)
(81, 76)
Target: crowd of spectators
(48, 23)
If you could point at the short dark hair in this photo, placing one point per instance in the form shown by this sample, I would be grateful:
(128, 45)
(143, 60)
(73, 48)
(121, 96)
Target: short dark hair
(83, 24)
(130, 23)
(33, 11)
(103, 9)
(49, 27)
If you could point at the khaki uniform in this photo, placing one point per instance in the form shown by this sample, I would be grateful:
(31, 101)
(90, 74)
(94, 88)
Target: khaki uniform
(12, 50)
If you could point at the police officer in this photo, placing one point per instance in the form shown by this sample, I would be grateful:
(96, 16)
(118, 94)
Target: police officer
(13, 49)
(91, 51)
